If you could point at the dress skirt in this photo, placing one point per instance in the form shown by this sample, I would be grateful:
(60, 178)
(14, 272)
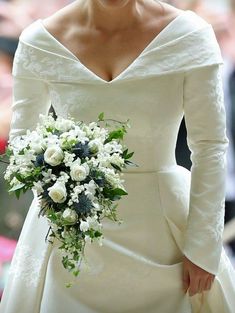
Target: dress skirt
(138, 269)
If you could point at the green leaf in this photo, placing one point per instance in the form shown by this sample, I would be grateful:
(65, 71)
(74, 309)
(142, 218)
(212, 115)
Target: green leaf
(101, 116)
(116, 167)
(8, 152)
(18, 176)
(130, 163)
(128, 156)
(115, 134)
(17, 193)
(124, 153)
(119, 191)
(114, 194)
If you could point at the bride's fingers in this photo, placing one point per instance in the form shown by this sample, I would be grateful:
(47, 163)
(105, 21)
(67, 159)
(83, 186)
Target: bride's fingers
(208, 283)
(194, 285)
(202, 285)
(186, 280)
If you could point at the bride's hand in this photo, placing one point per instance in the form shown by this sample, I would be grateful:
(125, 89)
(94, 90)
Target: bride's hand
(195, 278)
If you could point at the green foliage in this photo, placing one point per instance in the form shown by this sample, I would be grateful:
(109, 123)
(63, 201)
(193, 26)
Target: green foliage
(127, 155)
(116, 134)
(68, 144)
(101, 116)
(114, 194)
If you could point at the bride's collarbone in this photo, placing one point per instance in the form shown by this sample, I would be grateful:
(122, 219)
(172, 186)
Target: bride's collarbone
(106, 55)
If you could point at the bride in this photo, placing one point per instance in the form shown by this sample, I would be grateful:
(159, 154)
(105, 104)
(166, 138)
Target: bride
(150, 62)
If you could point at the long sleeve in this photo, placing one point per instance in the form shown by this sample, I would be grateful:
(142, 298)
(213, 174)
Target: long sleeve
(205, 120)
(30, 94)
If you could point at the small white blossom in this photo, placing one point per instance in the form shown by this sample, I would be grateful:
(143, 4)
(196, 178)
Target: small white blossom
(90, 189)
(93, 222)
(48, 176)
(84, 226)
(76, 191)
(115, 158)
(63, 178)
(63, 124)
(38, 187)
(68, 158)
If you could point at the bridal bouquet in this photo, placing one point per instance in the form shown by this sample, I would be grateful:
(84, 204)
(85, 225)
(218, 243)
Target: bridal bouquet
(76, 170)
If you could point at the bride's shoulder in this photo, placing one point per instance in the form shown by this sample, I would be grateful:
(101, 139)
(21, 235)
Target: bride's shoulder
(55, 24)
(190, 18)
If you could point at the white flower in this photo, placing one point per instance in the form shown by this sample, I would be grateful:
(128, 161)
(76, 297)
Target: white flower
(95, 145)
(70, 215)
(63, 124)
(63, 178)
(90, 189)
(46, 120)
(70, 202)
(53, 226)
(68, 158)
(116, 159)
(38, 187)
(52, 140)
(93, 162)
(113, 178)
(112, 146)
(93, 222)
(36, 147)
(84, 225)
(54, 155)
(48, 176)
(76, 191)
(79, 172)
(96, 205)
(58, 192)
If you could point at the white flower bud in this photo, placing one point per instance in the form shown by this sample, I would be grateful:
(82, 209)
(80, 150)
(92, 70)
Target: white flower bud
(70, 215)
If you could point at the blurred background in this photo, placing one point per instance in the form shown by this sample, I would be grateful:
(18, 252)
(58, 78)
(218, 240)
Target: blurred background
(15, 15)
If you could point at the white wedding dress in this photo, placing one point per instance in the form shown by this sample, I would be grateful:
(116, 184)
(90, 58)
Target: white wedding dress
(169, 211)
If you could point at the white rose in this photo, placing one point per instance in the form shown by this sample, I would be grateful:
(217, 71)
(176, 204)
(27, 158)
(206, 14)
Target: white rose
(53, 155)
(84, 226)
(70, 215)
(95, 145)
(57, 192)
(78, 172)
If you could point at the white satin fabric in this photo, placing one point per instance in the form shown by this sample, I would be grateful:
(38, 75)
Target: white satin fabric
(169, 211)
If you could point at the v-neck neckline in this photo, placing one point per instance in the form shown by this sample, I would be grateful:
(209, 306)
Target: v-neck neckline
(147, 47)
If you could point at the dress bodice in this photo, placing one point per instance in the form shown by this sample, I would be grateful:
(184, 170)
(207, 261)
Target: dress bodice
(149, 91)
